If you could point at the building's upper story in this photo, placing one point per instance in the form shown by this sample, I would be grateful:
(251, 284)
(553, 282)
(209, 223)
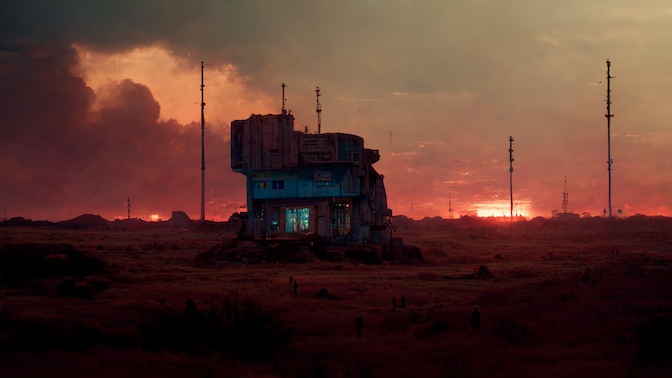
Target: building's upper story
(280, 162)
(270, 142)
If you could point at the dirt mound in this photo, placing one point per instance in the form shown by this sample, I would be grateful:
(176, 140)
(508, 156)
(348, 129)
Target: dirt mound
(403, 221)
(85, 222)
(481, 273)
(20, 263)
(180, 219)
(250, 252)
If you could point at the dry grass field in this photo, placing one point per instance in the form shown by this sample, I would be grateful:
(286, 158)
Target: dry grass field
(584, 299)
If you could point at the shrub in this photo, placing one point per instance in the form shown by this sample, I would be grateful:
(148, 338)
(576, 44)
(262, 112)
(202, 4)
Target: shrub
(512, 331)
(22, 262)
(369, 255)
(36, 334)
(243, 330)
(655, 341)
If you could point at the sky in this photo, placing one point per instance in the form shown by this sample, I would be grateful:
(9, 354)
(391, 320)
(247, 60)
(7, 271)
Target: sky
(101, 101)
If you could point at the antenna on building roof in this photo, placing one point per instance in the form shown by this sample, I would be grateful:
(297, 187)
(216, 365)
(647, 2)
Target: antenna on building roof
(202, 147)
(565, 197)
(318, 110)
(511, 173)
(609, 115)
(283, 99)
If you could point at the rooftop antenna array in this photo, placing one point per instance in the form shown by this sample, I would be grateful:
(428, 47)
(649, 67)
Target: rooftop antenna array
(511, 173)
(318, 110)
(609, 115)
(202, 147)
(565, 197)
(128, 204)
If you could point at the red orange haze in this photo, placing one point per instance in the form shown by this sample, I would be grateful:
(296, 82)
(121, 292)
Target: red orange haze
(100, 108)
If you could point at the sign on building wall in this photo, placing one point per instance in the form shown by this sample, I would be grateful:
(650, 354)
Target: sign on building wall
(322, 176)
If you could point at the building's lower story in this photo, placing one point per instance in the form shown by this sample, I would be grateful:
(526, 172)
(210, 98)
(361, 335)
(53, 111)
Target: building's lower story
(335, 220)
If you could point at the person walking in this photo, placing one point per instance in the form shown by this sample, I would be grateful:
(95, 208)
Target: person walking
(475, 320)
(359, 324)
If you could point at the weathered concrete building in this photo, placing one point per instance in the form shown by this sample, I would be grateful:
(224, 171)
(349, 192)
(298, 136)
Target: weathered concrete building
(316, 185)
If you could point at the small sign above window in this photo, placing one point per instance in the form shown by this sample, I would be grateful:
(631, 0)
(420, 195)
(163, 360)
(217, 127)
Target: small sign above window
(322, 176)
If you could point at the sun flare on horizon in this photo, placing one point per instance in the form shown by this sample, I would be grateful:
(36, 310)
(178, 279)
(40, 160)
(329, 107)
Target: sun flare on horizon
(502, 209)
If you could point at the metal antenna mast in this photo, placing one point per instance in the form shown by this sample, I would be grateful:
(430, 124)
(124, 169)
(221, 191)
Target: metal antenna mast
(202, 147)
(318, 110)
(283, 99)
(565, 197)
(450, 206)
(389, 164)
(128, 202)
(511, 173)
(609, 115)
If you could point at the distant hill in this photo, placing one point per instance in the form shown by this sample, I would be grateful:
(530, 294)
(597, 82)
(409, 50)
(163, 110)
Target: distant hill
(85, 222)
(23, 222)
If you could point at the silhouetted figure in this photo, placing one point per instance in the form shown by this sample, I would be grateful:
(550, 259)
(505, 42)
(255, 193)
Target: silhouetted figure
(475, 319)
(228, 310)
(359, 324)
(242, 231)
(296, 287)
(394, 303)
(291, 279)
(402, 302)
(191, 309)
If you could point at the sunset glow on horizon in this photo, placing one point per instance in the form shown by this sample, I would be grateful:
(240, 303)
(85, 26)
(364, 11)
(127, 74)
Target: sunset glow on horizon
(98, 114)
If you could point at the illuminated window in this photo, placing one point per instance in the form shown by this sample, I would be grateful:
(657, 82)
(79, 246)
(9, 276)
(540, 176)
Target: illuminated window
(297, 220)
(262, 185)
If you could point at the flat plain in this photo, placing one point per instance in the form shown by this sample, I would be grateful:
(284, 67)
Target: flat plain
(592, 297)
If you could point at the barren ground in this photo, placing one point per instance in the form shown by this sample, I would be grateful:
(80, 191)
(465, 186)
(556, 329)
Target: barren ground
(591, 298)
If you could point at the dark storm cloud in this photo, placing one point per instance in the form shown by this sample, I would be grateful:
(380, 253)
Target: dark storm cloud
(404, 45)
(58, 152)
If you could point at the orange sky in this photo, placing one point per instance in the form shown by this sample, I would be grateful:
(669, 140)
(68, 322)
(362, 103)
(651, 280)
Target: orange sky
(105, 100)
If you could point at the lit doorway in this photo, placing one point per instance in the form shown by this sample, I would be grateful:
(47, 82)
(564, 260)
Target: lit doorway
(340, 219)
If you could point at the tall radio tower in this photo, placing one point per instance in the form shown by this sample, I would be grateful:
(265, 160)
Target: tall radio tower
(450, 207)
(511, 173)
(284, 111)
(202, 147)
(565, 197)
(609, 115)
(318, 110)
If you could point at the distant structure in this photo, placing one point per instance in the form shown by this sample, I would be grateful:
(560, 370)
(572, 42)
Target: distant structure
(511, 173)
(609, 116)
(565, 215)
(450, 207)
(305, 185)
(202, 148)
(318, 110)
(128, 204)
(565, 197)
(283, 99)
